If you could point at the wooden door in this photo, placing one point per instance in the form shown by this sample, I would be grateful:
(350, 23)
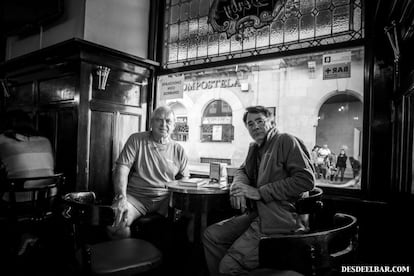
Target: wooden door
(115, 114)
(109, 132)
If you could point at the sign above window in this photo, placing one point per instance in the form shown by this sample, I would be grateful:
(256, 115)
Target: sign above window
(232, 16)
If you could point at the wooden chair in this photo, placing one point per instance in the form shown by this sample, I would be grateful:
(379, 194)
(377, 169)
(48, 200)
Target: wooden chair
(42, 191)
(315, 253)
(312, 206)
(28, 205)
(106, 257)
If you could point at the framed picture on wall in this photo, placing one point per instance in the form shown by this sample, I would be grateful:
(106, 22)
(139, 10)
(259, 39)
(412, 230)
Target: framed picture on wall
(272, 110)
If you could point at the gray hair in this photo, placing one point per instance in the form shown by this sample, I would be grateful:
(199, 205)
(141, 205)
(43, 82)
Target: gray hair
(162, 109)
(258, 109)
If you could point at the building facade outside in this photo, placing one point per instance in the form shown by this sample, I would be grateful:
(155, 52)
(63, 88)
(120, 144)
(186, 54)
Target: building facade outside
(305, 100)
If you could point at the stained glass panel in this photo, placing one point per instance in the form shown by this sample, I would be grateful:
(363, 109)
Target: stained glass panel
(323, 23)
(184, 11)
(224, 44)
(249, 38)
(307, 29)
(276, 32)
(194, 9)
(193, 41)
(341, 19)
(306, 6)
(213, 40)
(175, 14)
(202, 37)
(189, 37)
(291, 29)
(262, 37)
(183, 42)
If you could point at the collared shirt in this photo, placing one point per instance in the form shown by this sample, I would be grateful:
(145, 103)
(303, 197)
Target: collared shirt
(152, 164)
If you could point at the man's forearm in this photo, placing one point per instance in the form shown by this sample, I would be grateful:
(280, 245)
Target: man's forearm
(120, 180)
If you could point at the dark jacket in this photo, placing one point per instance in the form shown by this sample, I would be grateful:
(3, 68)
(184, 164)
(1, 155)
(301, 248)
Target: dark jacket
(341, 161)
(283, 174)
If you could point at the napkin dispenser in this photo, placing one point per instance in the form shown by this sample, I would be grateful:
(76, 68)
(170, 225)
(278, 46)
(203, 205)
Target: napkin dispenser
(218, 172)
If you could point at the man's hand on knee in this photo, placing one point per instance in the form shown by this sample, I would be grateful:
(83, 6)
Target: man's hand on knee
(120, 206)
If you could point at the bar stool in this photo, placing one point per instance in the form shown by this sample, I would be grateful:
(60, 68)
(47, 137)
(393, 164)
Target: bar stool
(116, 257)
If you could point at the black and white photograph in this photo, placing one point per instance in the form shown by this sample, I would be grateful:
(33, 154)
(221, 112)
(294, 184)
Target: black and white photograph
(206, 137)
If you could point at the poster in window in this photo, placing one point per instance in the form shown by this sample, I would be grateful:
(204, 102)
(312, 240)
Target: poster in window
(171, 87)
(217, 133)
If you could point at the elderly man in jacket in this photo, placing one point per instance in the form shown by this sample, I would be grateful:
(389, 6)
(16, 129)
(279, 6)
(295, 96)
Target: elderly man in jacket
(276, 173)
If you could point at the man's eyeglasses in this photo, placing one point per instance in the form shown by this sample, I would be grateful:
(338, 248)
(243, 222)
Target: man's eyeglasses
(259, 122)
(160, 121)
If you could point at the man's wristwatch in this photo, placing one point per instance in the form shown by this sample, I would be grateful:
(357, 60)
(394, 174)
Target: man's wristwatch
(118, 197)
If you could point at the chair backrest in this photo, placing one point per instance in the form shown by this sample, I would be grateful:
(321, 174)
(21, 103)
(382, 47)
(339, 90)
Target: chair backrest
(310, 204)
(42, 193)
(87, 217)
(312, 253)
(84, 208)
(98, 255)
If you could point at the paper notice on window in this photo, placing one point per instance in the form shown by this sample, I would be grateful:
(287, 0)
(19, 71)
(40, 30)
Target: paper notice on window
(217, 133)
(336, 65)
(171, 87)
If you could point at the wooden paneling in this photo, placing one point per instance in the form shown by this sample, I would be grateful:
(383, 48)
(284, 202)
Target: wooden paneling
(66, 145)
(58, 89)
(20, 95)
(59, 125)
(87, 127)
(100, 161)
(120, 92)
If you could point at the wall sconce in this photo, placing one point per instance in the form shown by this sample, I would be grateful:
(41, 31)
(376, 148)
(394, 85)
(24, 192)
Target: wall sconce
(6, 92)
(103, 73)
(143, 83)
(392, 35)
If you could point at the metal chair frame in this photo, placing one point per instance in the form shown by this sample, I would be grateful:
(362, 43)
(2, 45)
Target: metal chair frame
(42, 197)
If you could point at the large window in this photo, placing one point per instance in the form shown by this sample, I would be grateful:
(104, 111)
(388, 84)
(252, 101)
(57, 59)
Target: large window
(317, 97)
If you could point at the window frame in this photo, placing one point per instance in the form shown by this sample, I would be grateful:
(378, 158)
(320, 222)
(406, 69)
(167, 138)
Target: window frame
(366, 43)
